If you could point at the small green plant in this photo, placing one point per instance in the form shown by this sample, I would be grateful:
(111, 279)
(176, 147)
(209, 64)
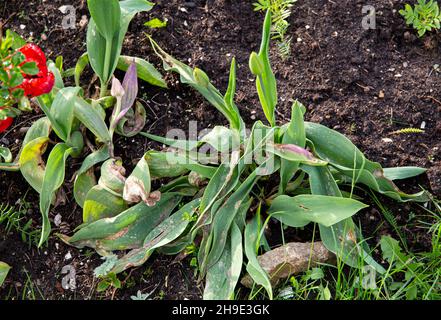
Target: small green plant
(412, 276)
(156, 23)
(13, 219)
(424, 16)
(30, 291)
(110, 280)
(281, 11)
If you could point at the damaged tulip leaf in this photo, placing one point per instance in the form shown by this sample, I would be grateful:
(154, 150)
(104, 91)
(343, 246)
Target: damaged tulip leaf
(137, 186)
(295, 153)
(101, 203)
(39, 129)
(252, 241)
(133, 121)
(222, 139)
(164, 233)
(128, 229)
(32, 166)
(113, 177)
(223, 276)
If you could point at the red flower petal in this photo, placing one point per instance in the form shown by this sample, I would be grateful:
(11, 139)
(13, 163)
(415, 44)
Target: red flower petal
(34, 87)
(33, 53)
(5, 124)
(44, 81)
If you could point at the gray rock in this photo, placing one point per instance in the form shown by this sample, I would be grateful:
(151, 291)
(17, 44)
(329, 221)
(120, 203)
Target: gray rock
(291, 259)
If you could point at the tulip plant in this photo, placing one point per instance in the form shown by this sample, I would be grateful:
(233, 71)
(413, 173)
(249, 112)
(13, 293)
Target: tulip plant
(74, 124)
(222, 204)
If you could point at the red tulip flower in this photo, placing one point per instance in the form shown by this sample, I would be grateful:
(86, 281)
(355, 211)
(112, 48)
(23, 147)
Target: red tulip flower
(5, 124)
(44, 81)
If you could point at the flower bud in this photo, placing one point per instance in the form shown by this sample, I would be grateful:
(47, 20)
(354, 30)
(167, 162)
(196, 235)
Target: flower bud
(256, 65)
(117, 90)
(201, 77)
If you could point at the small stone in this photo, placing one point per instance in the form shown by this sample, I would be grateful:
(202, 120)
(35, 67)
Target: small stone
(387, 140)
(84, 21)
(22, 27)
(57, 220)
(68, 256)
(291, 259)
(423, 125)
(405, 64)
(381, 94)
(43, 37)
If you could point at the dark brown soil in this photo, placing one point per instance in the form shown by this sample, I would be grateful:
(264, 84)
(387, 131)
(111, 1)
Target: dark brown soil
(364, 83)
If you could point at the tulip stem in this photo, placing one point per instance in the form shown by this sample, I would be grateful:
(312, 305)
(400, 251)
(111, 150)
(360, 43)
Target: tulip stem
(106, 69)
(103, 90)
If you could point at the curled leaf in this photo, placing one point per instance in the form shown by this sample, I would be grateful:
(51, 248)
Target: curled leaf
(133, 121)
(137, 186)
(293, 152)
(113, 176)
(32, 166)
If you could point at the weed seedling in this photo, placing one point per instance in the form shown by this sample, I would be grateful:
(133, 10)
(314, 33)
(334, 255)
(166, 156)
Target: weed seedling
(424, 16)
